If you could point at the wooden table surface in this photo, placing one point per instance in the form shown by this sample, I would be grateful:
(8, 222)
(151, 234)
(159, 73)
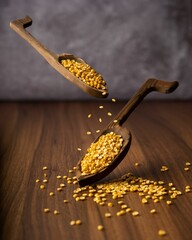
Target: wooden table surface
(34, 135)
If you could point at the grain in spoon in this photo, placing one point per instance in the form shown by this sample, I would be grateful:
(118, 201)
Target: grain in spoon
(55, 60)
(115, 126)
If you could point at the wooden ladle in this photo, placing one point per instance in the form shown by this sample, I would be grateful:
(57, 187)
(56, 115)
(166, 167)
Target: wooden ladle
(115, 126)
(54, 60)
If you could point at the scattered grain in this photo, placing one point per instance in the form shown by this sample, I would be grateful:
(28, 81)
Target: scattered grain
(162, 232)
(46, 210)
(100, 227)
(56, 212)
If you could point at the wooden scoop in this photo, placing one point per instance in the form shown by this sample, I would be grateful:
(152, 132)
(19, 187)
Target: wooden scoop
(115, 126)
(54, 60)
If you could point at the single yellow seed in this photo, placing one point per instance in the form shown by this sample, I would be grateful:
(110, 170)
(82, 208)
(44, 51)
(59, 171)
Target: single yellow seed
(188, 164)
(100, 227)
(123, 206)
(65, 201)
(137, 164)
(98, 131)
(65, 177)
(59, 177)
(128, 210)
(71, 171)
(135, 213)
(107, 215)
(82, 198)
(187, 190)
(62, 185)
(45, 180)
(59, 189)
(72, 223)
(170, 184)
(109, 114)
(78, 222)
(89, 115)
(77, 199)
(56, 212)
(160, 182)
(101, 107)
(37, 180)
(100, 120)
(187, 186)
(162, 232)
(115, 121)
(42, 187)
(186, 169)
(113, 100)
(46, 210)
(144, 200)
(44, 175)
(88, 133)
(110, 204)
(51, 194)
(153, 211)
(79, 149)
(45, 168)
(101, 203)
(120, 202)
(169, 202)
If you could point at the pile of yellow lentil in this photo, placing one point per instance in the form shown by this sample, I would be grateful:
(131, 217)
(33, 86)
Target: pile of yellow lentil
(112, 194)
(101, 153)
(85, 73)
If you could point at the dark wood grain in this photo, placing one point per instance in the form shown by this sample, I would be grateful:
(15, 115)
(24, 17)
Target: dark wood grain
(33, 135)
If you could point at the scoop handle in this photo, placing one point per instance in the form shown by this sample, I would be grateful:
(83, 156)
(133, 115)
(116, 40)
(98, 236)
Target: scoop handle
(19, 26)
(149, 86)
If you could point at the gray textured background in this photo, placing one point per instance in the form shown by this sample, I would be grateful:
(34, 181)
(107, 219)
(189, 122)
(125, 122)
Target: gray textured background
(127, 41)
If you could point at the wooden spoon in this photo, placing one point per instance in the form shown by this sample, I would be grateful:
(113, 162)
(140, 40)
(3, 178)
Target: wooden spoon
(115, 126)
(54, 60)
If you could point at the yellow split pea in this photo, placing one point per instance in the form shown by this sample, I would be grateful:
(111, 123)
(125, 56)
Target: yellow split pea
(85, 73)
(101, 153)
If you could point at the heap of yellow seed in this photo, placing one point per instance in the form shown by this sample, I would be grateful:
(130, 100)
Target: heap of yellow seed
(85, 73)
(101, 153)
(147, 189)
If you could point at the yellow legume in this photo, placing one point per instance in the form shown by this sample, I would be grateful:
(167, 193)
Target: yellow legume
(56, 212)
(100, 227)
(85, 73)
(101, 153)
(42, 187)
(162, 232)
(46, 210)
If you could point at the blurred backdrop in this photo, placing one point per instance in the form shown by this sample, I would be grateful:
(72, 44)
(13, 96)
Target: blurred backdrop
(127, 41)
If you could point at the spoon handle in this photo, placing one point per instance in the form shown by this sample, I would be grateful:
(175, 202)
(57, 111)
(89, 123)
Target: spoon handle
(149, 86)
(19, 26)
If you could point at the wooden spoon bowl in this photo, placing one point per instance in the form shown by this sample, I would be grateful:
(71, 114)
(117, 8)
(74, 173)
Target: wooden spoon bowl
(116, 126)
(91, 178)
(54, 60)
